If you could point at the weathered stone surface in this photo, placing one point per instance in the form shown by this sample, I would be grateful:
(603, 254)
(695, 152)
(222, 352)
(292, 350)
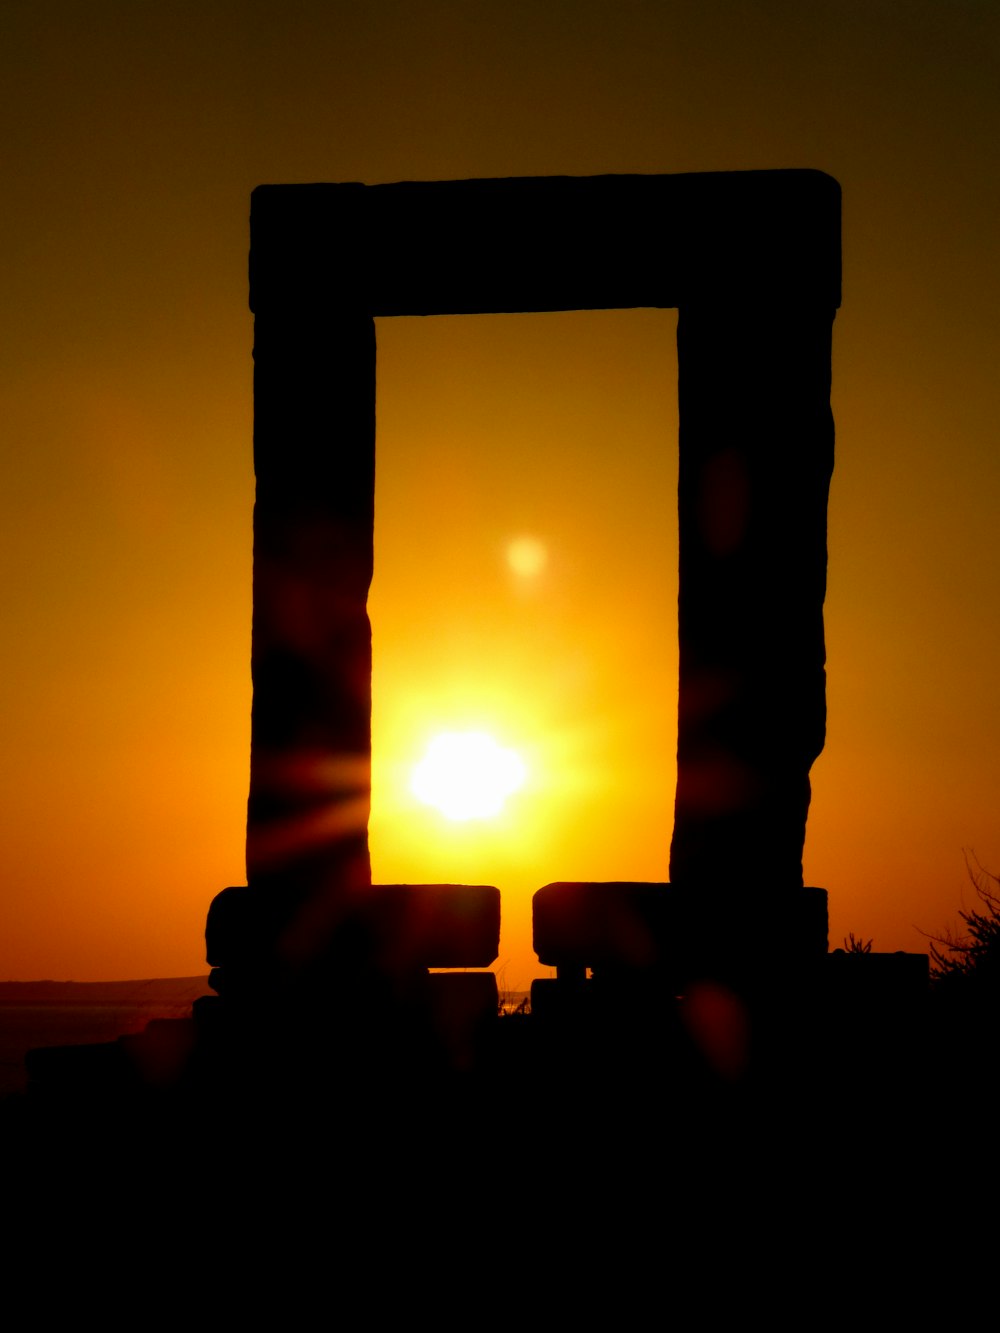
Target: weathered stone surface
(161, 1054)
(462, 1008)
(876, 984)
(685, 934)
(395, 928)
(314, 442)
(590, 924)
(756, 455)
(546, 243)
(435, 925)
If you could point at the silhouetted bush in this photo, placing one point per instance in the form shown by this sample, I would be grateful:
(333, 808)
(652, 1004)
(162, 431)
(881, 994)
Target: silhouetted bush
(967, 963)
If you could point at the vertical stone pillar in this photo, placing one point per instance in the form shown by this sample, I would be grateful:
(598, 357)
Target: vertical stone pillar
(310, 756)
(756, 455)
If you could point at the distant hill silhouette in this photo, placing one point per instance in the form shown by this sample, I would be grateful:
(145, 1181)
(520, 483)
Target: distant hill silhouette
(155, 991)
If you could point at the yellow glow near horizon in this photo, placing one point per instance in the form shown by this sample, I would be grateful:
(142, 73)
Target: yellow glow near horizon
(467, 775)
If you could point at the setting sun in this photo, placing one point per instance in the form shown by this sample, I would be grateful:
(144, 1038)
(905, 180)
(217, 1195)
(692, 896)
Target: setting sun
(467, 775)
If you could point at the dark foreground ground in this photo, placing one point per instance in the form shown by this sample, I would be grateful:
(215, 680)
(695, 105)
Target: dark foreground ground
(599, 1171)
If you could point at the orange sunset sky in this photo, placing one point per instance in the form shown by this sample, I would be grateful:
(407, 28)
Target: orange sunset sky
(132, 137)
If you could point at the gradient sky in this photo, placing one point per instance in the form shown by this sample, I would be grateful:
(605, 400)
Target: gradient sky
(132, 137)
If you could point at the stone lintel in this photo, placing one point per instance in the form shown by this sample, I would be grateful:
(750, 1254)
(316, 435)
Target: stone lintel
(546, 243)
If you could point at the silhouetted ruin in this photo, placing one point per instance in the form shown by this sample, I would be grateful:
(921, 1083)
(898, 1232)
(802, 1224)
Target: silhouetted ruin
(752, 261)
(326, 971)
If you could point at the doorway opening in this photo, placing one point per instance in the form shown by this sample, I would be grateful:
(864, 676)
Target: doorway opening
(526, 587)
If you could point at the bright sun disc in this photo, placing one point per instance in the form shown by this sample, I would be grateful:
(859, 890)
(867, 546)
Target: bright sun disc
(467, 775)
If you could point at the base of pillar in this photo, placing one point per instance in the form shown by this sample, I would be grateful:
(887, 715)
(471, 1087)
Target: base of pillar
(683, 934)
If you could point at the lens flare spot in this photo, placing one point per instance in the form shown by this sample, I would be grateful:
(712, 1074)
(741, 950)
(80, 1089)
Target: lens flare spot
(467, 775)
(527, 557)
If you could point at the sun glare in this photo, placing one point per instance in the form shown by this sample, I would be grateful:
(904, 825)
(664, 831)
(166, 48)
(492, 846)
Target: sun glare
(527, 557)
(467, 775)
